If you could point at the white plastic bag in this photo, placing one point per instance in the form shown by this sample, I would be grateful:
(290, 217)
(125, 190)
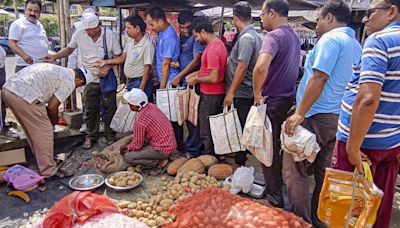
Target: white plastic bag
(123, 119)
(241, 180)
(226, 131)
(166, 101)
(194, 101)
(257, 135)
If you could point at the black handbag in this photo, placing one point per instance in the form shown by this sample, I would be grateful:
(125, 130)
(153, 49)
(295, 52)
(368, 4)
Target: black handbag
(109, 82)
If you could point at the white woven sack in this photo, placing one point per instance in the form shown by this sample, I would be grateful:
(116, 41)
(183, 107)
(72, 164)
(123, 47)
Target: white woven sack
(165, 99)
(123, 119)
(226, 132)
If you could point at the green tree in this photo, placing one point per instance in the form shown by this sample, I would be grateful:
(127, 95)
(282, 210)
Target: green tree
(51, 25)
(9, 3)
(4, 22)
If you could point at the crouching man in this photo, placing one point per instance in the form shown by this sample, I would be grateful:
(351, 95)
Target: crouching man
(34, 95)
(153, 139)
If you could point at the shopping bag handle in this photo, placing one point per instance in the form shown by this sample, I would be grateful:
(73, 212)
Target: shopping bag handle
(226, 108)
(367, 171)
(262, 101)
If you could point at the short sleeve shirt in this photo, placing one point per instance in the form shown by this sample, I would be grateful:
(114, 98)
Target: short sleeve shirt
(335, 54)
(138, 56)
(246, 49)
(284, 47)
(167, 47)
(31, 38)
(2, 57)
(91, 51)
(214, 58)
(41, 81)
(189, 48)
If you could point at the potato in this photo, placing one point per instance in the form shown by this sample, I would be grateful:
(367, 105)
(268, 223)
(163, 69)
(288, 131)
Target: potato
(124, 204)
(160, 221)
(154, 212)
(132, 205)
(159, 209)
(131, 168)
(158, 198)
(153, 191)
(122, 184)
(164, 188)
(152, 223)
(131, 182)
(139, 214)
(164, 214)
(145, 220)
(166, 201)
(164, 178)
(146, 214)
(165, 207)
(148, 209)
(111, 181)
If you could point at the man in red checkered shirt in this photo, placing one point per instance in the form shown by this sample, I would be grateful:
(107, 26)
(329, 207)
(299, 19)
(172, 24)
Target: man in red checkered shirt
(153, 137)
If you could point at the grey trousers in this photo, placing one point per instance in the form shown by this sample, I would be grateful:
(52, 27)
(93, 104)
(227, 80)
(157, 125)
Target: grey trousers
(324, 126)
(147, 157)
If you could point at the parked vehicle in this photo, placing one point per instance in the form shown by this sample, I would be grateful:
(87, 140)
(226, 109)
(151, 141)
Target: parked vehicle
(4, 45)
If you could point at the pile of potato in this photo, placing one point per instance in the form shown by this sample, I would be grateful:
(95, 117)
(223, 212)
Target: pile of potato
(124, 179)
(154, 212)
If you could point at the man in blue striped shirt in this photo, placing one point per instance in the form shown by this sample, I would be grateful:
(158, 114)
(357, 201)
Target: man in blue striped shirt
(369, 122)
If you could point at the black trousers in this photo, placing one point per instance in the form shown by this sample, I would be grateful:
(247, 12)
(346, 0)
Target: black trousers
(209, 105)
(277, 113)
(242, 106)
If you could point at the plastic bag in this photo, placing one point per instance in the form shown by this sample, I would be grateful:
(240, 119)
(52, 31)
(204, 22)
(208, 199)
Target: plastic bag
(226, 131)
(194, 101)
(241, 180)
(345, 193)
(115, 220)
(22, 178)
(182, 105)
(77, 207)
(217, 208)
(257, 135)
(123, 119)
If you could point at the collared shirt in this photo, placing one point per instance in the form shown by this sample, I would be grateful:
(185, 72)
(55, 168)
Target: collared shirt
(335, 54)
(42, 81)
(138, 56)
(246, 49)
(91, 51)
(31, 38)
(379, 63)
(189, 48)
(153, 126)
(3, 55)
(167, 47)
(284, 46)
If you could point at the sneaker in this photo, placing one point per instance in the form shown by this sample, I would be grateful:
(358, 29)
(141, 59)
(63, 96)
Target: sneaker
(83, 128)
(101, 127)
(10, 134)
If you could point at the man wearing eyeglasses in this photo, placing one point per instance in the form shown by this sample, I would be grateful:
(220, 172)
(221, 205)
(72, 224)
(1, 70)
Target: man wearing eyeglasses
(274, 77)
(328, 68)
(369, 121)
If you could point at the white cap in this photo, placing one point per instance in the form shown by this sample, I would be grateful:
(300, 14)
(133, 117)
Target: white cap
(136, 97)
(88, 77)
(89, 20)
(89, 10)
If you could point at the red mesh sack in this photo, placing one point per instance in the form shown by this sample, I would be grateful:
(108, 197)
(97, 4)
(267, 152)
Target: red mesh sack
(77, 207)
(212, 208)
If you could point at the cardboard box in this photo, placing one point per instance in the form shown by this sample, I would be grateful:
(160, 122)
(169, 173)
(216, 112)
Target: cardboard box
(11, 157)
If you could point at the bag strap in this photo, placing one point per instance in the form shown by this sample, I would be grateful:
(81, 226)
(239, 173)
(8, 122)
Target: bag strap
(105, 43)
(226, 133)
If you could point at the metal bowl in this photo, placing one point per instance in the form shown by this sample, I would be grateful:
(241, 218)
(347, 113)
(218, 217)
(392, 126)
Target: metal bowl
(127, 187)
(86, 182)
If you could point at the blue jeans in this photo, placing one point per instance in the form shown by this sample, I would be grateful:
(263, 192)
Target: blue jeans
(135, 83)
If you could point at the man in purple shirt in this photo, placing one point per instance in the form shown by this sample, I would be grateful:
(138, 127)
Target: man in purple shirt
(274, 77)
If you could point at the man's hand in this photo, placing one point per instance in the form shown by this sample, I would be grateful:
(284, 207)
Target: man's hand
(192, 80)
(356, 157)
(104, 71)
(49, 59)
(257, 98)
(174, 64)
(228, 101)
(163, 85)
(175, 81)
(123, 149)
(100, 63)
(292, 122)
(193, 74)
(27, 59)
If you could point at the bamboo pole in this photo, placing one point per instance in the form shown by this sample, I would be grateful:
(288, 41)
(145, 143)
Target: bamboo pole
(15, 9)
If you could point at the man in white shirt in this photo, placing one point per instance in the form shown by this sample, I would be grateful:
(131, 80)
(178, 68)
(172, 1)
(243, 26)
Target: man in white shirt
(27, 36)
(34, 95)
(138, 56)
(89, 41)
